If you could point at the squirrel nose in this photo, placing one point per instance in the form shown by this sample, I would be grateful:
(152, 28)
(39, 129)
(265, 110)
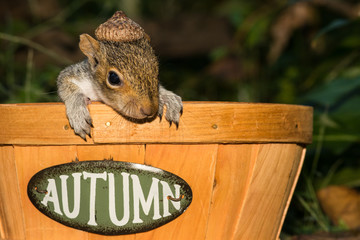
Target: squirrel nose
(147, 111)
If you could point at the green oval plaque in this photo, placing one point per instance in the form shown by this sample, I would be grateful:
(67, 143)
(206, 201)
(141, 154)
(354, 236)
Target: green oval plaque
(109, 197)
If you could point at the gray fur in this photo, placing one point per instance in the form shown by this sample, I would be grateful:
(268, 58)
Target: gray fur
(133, 89)
(77, 98)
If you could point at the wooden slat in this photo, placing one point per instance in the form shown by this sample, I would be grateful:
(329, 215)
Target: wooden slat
(262, 179)
(124, 153)
(11, 214)
(201, 123)
(38, 124)
(291, 188)
(270, 187)
(234, 169)
(30, 160)
(196, 165)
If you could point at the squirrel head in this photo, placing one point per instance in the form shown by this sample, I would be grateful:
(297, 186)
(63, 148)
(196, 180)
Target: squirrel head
(124, 67)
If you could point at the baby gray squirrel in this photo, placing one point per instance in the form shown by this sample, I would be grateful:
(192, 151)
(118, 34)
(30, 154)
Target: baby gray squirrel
(121, 70)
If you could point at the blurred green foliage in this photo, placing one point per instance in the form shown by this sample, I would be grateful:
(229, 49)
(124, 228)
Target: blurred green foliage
(294, 52)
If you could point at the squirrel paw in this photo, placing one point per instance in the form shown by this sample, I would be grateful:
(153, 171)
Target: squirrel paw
(174, 107)
(79, 119)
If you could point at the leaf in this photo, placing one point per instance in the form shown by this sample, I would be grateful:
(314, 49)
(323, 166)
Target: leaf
(347, 115)
(348, 176)
(338, 23)
(219, 53)
(327, 121)
(332, 92)
(256, 33)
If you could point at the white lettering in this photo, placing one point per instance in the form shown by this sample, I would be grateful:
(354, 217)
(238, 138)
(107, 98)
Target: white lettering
(167, 192)
(52, 196)
(126, 199)
(93, 177)
(140, 199)
(144, 204)
(64, 191)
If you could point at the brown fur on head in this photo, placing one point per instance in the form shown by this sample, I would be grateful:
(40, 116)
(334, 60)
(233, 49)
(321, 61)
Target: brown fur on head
(134, 62)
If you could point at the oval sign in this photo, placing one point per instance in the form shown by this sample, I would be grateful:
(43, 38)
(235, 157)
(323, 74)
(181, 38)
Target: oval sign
(109, 197)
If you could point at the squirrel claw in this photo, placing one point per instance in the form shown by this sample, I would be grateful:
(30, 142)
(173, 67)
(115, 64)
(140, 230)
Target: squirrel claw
(173, 103)
(89, 121)
(176, 124)
(80, 121)
(83, 137)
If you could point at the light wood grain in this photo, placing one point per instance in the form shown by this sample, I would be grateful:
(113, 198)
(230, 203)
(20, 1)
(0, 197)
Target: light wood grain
(290, 191)
(212, 123)
(271, 183)
(11, 214)
(234, 167)
(201, 123)
(30, 160)
(37, 123)
(196, 165)
(125, 153)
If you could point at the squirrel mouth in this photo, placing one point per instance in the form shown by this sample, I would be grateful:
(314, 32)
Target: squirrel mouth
(138, 119)
(135, 113)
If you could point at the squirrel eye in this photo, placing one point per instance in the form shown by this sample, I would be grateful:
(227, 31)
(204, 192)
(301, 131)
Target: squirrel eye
(114, 79)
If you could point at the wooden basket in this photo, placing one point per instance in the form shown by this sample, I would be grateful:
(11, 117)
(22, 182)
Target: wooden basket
(241, 160)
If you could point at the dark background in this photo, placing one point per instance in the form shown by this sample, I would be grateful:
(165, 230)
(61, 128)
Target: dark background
(276, 51)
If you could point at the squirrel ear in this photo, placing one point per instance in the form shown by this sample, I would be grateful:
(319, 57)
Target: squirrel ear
(90, 47)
